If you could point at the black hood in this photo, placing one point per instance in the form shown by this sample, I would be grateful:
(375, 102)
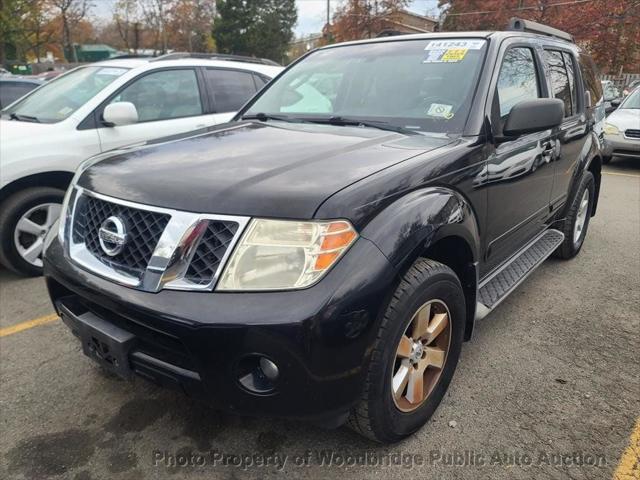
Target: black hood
(253, 169)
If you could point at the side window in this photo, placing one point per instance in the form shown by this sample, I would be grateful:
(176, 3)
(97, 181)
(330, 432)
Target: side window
(560, 87)
(518, 80)
(164, 95)
(590, 77)
(573, 82)
(230, 88)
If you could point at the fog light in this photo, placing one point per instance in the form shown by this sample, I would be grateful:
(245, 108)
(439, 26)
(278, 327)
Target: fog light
(258, 374)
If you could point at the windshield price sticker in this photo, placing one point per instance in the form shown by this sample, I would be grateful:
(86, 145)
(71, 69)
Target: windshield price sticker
(450, 55)
(450, 44)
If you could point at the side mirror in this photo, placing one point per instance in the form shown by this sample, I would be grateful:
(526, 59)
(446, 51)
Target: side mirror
(533, 116)
(120, 113)
(615, 102)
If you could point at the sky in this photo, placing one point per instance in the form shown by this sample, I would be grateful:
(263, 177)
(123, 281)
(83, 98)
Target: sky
(311, 13)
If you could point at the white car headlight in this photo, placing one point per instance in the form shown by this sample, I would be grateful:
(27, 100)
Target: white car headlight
(611, 129)
(285, 255)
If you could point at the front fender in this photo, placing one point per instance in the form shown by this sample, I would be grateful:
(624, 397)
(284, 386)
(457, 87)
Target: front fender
(421, 218)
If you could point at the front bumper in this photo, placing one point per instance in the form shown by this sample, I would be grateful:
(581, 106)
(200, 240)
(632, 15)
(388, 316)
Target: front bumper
(320, 338)
(621, 146)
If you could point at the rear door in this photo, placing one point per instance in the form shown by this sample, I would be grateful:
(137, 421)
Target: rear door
(168, 101)
(519, 176)
(230, 89)
(566, 83)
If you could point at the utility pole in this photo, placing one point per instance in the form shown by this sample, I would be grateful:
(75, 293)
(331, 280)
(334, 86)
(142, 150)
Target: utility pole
(328, 12)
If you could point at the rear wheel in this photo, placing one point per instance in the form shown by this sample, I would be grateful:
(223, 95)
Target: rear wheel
(25, 219)
(576, 222)
(415, 354)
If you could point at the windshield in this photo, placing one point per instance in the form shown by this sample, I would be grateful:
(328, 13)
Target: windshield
(632, 101)
(610, 91)
(58, 99)
(424, 85)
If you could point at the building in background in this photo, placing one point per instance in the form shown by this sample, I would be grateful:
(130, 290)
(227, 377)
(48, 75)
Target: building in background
(406, 22)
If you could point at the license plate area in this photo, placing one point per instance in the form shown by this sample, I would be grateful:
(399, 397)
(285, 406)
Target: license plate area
(102, 341)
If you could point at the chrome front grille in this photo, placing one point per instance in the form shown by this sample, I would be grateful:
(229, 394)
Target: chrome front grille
(144, 227)
(164, 248)
(210, 251)
(632, 133)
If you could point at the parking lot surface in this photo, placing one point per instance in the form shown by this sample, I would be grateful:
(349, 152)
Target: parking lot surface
(547, 388)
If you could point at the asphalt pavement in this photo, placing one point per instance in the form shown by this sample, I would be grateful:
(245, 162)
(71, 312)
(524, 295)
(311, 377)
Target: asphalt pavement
(548, 388)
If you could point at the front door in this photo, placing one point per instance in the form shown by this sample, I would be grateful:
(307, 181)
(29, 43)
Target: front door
(519, 176)
(168, 102)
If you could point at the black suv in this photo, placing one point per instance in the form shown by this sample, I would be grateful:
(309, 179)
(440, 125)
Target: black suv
(326, 255)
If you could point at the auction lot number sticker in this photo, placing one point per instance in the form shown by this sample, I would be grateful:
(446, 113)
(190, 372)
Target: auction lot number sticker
(450, 51)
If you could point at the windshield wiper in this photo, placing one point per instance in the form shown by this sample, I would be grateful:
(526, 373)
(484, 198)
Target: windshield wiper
(23, 118)
(380, 125)
(263, 117)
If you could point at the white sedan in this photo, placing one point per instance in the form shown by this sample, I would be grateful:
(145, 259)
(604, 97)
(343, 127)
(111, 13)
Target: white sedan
(95, 108)
(622, 129)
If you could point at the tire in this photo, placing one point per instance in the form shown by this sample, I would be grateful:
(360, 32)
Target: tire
(44, 203)
(379, 416)
(572, 245)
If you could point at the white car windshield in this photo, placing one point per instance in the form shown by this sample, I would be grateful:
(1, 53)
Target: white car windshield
(55, 101)
(632, 101)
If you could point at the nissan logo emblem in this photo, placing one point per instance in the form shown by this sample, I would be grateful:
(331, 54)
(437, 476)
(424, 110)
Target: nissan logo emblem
(112, 236)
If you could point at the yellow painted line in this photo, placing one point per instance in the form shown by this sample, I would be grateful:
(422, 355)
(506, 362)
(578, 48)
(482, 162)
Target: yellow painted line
(19, 327)
(621, 174)
(629, 466)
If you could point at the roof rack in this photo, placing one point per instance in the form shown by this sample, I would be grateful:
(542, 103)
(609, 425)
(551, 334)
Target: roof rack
(215, 56)
(520, 25)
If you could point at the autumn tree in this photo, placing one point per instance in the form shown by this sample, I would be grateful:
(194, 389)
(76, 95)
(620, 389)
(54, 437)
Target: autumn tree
(609, 30)
(261, 28)
(357, 19)
(71, 13)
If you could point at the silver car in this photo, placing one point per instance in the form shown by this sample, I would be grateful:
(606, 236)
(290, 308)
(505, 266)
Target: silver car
(622, 129)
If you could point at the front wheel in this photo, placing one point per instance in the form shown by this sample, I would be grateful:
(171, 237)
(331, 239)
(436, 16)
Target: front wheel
(415, 354)
(25, 219)
(576, 223)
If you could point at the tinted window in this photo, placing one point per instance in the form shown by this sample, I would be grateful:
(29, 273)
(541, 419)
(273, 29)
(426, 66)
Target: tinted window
(230, 88)
(163, 95)
(560, 87)
(590, 77)
(518, 80)
(573, 82)
(10, 91)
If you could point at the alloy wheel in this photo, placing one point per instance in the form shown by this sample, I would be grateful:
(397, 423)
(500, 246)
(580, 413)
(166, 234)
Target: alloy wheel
(421, 355)
(31, 229)
(581, 217)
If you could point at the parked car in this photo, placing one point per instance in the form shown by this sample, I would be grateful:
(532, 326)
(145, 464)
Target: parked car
(12, 88)
(327, 261)
(4, 72)
(622, 129)
(629, 88)
(612, 96)
(99, 107)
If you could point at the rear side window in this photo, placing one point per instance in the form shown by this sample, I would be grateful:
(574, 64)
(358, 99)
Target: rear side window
(230, 88)
(590, 77)
(560, 86)
(518, 80)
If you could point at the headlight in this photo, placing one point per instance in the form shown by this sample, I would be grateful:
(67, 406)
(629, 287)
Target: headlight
(611, 129)
(285, 255)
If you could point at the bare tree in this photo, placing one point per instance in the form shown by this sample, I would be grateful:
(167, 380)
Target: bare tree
(71, 12)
